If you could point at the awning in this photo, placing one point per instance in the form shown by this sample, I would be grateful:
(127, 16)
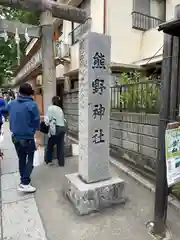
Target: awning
(171, 27)
(72, 73)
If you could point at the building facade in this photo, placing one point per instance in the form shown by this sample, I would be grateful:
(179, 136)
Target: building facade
(135, 40)
(132, 25)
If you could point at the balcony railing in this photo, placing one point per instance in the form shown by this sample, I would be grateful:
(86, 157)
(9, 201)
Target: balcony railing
(144, 22)
(79, 31)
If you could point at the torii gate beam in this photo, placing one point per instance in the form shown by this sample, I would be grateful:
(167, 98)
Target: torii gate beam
(58, 10)
(10, 27)
(48, 9)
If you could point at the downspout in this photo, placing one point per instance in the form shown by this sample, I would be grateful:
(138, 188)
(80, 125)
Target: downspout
(165, 8)
(104, 16)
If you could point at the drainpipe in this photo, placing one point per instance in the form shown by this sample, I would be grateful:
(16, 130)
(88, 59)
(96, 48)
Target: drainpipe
(165, 15)
(104, 20)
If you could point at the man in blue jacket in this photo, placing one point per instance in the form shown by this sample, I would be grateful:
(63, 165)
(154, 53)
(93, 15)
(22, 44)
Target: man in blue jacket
(24, 120)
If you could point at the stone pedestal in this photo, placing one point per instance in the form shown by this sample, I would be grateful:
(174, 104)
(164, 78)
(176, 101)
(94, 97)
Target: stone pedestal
(88, 198)
(93, 178)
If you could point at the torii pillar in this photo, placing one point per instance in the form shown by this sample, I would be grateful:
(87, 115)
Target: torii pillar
(48, 62)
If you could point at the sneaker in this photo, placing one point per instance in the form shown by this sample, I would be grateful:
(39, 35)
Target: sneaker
(26, 188)
(50, 164)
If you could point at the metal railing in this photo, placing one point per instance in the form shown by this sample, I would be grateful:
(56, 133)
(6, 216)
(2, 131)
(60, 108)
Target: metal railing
(136, 97)
(144, 22)
(79, 31)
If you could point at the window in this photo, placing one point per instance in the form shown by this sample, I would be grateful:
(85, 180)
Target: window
(148, 14)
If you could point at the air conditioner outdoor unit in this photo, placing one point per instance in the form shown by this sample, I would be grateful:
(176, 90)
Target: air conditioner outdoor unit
(39, 80)
(65, 50)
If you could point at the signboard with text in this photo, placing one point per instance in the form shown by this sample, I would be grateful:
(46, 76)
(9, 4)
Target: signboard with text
(172, 143)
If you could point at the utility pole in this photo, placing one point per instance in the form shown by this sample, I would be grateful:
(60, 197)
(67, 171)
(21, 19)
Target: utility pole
(161, 194)
(168, 113)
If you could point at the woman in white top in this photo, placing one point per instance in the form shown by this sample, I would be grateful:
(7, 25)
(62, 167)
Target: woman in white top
(55, 119)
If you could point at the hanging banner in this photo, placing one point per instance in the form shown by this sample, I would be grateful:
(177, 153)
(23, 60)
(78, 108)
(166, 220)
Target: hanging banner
(172, 144)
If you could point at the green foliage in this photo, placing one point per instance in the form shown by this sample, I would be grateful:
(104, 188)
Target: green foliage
(176, 190)
(138, 93)
(8, 50)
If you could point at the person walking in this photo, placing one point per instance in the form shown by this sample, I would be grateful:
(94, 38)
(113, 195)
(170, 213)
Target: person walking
(55, 120)
(2, 101)
(2, 108)
(6, 99)
(24, 120)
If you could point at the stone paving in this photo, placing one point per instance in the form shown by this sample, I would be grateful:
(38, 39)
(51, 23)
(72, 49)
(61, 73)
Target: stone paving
(20, 219)
(47, 215)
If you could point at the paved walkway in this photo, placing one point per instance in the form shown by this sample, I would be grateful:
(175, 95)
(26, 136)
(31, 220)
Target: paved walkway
(47, 215)
(20, 217)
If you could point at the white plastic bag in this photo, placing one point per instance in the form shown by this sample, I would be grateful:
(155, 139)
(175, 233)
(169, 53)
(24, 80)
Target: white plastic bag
(1, 134)
(38, 157)
(3, 119)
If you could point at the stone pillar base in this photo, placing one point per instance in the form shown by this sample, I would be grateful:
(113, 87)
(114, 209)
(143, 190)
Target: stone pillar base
(88, 198)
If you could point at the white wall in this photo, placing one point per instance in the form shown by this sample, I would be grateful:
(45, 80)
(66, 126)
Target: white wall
(125, 40)
(67, 28)
(152, 42)
(170, 7)
(97, 15)
(128, 45)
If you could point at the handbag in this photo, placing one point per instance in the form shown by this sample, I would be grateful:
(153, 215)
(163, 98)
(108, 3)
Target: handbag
(44, 128)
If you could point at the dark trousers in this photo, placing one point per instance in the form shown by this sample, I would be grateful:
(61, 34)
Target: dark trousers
(58, 141)
(25, 150)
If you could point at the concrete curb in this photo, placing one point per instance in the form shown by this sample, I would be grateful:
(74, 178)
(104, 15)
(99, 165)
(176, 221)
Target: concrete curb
(173, 202)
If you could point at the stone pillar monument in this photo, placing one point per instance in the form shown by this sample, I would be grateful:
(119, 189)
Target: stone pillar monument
(94, 103)
(93, 188)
